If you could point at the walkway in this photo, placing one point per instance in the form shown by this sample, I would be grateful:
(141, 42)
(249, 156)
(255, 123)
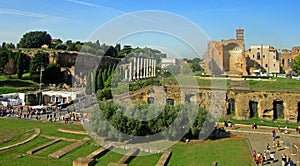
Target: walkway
(259, 138)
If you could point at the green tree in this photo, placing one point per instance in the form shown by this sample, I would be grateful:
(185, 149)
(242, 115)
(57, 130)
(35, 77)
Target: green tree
(296, 64)
(35, 39)
(4, 53)
(40, 60)
(100, 84)
(104, 75)
(20, 65)
(60, 46)
(52, 74)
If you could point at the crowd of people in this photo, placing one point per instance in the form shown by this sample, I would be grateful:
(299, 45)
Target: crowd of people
(268, 156)
(51, 114)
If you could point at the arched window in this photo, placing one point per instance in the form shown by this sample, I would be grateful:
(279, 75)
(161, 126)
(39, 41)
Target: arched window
(258, 56)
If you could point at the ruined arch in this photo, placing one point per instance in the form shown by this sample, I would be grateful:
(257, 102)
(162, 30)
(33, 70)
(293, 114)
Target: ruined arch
(253, 107)
(278, 109)
(170, 101)
(150, 100)
(231, 55)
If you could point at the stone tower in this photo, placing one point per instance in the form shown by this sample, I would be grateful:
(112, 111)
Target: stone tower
(240, 34)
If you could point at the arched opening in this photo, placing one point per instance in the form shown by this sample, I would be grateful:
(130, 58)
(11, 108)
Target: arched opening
(188, 98)
(278, 109)
(150, 100)
(231, 106)
(253, 108)
(170, 102)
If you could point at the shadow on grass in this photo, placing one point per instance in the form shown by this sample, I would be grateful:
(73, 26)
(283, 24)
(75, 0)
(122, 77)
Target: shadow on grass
(16, 83)
(219, 133)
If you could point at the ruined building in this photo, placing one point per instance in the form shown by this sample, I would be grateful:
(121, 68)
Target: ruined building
(287, 57)
(227, 56)
(263, 59)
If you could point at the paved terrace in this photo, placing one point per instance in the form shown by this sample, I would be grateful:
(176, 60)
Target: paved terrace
(260, 137)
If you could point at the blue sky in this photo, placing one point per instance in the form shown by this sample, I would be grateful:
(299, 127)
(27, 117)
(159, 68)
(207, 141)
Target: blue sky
(265, 21)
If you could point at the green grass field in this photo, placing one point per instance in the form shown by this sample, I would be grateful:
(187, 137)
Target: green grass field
(10, 84)
(12, 131)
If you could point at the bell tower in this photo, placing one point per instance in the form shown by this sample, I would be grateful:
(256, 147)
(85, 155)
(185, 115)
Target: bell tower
(239, 34)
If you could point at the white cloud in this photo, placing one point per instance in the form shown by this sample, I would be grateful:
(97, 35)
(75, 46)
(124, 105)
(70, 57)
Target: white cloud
(94, 5)
(21, 13)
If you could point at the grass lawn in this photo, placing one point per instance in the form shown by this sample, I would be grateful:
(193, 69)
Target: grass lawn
(224, 151)
(146, 160)
(231, 152)
(261, 122)
(109, 157)
(10, 84)
(283, 84)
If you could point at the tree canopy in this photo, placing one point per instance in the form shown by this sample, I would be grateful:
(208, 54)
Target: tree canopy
(296, 64)
(35, 39)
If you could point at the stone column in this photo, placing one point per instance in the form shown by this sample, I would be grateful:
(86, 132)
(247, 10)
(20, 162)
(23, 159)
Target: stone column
(146, 73)
(150, 67)
(138, 68)
(134, 69)
(130, 73)
(126, 74)
(142, 67)
(154, 72)
(145, 68)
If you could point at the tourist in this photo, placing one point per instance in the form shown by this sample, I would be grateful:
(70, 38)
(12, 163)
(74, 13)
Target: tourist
(283, 159)
(272, 157)
(277, 146)
(286, 130)
(274, 134)
(265, 156)
(254, 126)
(298, 129)
(254, 155)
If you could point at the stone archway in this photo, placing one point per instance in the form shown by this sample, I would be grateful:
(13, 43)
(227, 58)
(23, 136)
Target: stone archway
(278, 109)
(170, 101)
(150, 100)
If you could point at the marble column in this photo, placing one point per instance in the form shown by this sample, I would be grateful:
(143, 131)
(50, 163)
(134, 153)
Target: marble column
(130, 73)
(142, 68)
(145, 68)
(154, 71)
(126, 74)
(134, 68)
(138, 68)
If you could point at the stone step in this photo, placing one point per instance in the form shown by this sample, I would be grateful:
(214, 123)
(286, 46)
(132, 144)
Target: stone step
(163, 159)
(65, 150)
(128, 155)
(125, 158)
(98, 152)
(42, 146)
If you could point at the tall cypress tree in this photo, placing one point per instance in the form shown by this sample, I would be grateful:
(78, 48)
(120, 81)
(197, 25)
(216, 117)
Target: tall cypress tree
(4, 52)
(104, 76)
(20, 65)
(99, 80)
